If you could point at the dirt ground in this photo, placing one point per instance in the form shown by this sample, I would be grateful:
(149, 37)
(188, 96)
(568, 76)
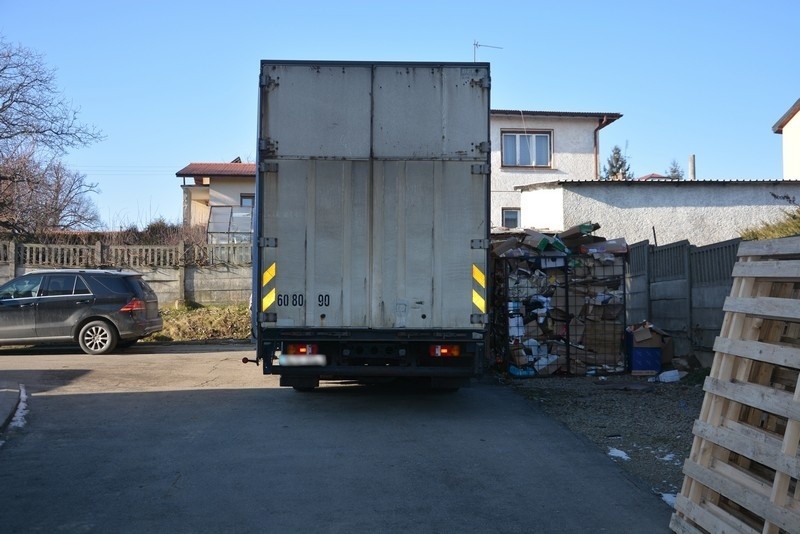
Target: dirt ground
(645, 426)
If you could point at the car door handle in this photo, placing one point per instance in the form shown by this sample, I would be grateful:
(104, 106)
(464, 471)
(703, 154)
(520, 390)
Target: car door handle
(85, 301)
(27, 305)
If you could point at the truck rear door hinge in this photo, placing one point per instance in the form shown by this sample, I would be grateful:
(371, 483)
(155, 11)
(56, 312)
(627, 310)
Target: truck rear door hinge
(482, 244)
(265, 80)
(479, 318)
(483, 83)
(485, 147)
(267, 147)
(268, 242)
(268, 166)
(481, 168)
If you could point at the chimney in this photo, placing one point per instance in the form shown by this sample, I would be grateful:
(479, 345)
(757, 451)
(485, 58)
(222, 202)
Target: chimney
(692, 174)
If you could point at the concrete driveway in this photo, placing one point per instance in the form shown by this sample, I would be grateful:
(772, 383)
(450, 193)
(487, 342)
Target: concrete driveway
(188, 439)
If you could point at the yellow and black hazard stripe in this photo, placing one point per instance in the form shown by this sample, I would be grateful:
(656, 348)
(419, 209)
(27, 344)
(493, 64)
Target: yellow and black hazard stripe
(478, 288)
(268, 288)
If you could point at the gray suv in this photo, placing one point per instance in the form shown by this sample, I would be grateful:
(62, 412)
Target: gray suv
(99, 309)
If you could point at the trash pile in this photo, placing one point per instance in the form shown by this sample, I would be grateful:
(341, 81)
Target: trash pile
(562, 298)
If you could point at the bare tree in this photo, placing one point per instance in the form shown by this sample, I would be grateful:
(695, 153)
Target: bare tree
(62, 203)
(38, 125)
(32, 108)
(19, 173)
(38, 198)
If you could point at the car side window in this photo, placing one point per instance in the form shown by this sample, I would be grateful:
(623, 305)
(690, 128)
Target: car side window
(24, 287)
(59, 284)
(81, 288)
(106, 285)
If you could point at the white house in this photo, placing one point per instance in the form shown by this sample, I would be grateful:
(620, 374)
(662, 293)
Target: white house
(530, 147)
(789, 127)
(219, 197)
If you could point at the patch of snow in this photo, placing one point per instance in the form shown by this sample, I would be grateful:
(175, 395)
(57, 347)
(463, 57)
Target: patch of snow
(669, 498)
(616, 453)
(667, 457)
(22, 409)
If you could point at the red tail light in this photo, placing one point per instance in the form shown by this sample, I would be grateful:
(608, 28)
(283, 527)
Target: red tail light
(301, 349)
(134, 305)
(444, 351)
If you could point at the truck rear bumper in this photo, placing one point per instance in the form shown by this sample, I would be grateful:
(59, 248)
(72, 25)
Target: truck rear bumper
(356, 354)
(366, 371)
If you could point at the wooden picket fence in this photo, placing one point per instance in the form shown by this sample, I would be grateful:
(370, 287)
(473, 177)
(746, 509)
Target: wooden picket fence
(743, 470)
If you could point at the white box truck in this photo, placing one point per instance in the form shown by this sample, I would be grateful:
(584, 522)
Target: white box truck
(371, 223)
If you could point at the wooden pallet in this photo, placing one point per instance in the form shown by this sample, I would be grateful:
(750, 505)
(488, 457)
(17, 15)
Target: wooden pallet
(742, 473)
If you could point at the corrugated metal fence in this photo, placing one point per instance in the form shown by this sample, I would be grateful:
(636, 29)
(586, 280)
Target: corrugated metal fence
(681, 288)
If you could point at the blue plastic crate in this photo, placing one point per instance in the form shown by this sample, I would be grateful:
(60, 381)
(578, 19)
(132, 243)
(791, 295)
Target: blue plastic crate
(646, 359)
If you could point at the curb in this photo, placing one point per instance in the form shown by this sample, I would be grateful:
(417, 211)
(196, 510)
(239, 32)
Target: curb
(9, 401)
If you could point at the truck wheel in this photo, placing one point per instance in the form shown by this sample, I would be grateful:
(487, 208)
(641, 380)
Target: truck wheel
(97, 337)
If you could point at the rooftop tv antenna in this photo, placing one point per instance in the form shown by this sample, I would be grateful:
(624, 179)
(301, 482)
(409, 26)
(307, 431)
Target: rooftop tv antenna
(476, 45)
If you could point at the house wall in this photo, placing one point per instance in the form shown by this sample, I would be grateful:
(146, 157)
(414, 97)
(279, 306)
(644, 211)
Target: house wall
(573, 158)
(791, 149)
(702, 212)
(546, 212)
(195, 205)
(226, 192)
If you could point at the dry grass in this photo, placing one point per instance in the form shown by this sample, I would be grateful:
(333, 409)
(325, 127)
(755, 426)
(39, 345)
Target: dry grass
(204, 323)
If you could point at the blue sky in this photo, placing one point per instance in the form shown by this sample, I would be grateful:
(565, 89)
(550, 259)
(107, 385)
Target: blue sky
(174, 82)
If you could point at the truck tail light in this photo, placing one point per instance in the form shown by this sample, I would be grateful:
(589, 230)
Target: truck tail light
(299, 349)
(444, 351)
(301, 354)
(134, 304)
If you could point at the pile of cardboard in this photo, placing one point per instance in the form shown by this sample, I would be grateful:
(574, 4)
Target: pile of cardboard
(565, 301)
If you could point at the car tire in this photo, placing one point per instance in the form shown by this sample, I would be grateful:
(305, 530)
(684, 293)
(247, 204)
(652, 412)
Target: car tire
(98, 337)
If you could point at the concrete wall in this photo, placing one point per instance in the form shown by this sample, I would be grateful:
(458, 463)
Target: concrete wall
(573, 157)
(702, 212)
(208, 286)
(207, 282)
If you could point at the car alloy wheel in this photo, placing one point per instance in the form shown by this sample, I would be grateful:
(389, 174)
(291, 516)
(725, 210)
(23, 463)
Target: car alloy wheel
(97, 337)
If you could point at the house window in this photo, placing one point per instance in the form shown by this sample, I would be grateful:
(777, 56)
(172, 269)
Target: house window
(247, 200)
(511, 217)
(526, 149)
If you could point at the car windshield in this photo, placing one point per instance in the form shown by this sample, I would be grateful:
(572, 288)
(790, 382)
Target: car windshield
(20, 288)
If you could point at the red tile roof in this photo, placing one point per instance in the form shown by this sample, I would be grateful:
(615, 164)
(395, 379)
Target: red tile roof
(218, 169)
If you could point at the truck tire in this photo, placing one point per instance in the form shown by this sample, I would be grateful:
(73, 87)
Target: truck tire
(97, 337)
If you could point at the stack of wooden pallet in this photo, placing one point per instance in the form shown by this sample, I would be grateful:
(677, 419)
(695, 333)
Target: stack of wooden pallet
(742, 473)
